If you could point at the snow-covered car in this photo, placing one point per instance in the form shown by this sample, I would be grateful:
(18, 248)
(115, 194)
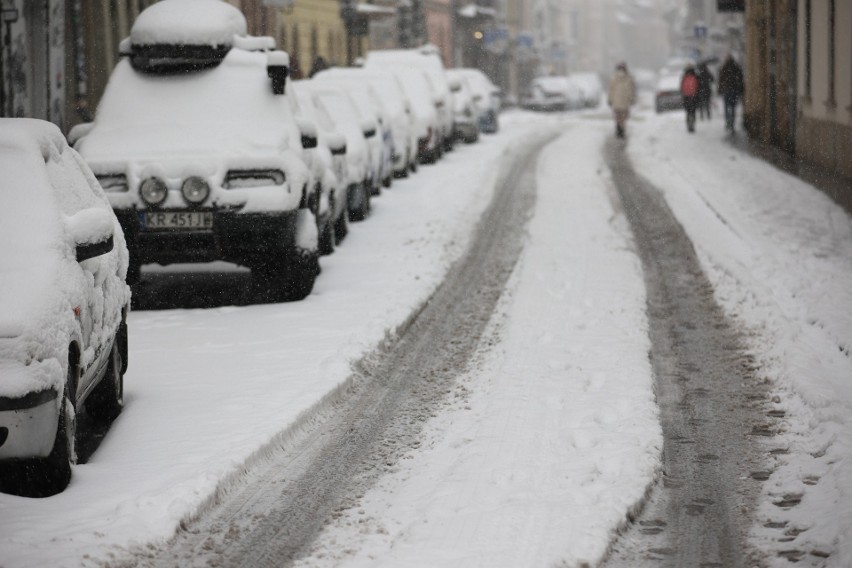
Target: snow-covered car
(554, 93)
(590, 86)
(199, 152)
(667, 93)
(427, 122)
(63, 306)
(387, 94)
(370, 109)
(428, 60)
(486, 97)
(465, 117)
(334, 114)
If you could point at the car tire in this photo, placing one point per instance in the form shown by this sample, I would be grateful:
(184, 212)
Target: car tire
(327, 238)
(286, 280)
(107, 400)
(341, 227)
(387, 181)
(360, 207)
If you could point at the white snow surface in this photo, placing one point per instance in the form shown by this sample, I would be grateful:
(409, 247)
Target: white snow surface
(189, 22)
(554, 437)
(779, 253)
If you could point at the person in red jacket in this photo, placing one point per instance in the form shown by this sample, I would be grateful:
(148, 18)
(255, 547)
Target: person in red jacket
(689, 92)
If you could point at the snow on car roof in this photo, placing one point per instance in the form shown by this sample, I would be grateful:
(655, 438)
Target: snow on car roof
(188, 22)
(669, 83)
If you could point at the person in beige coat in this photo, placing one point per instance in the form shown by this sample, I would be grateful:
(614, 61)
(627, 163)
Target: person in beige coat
(622, 95)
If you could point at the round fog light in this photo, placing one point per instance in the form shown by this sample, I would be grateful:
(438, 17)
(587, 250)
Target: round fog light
(195, 190)
(153, 191)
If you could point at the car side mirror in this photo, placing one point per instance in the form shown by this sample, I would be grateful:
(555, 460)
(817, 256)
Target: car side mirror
(455, 85)
(369, 128)
(336, 143)
(277, 68)
(308, 131)
(91, 231)
(79, 131)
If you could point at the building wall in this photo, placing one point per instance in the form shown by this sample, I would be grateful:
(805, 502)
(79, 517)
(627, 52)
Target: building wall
(314, 29)
(769, 113)
(439, 27)
(33, 64)
(824, 124)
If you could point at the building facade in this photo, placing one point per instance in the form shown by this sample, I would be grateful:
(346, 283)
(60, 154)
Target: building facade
(799, 80)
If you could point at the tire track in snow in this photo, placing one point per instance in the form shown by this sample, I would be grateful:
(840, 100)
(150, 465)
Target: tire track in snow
(276, 513)
(700, 511)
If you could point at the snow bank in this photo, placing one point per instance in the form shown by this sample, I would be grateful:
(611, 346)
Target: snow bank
(779, 253)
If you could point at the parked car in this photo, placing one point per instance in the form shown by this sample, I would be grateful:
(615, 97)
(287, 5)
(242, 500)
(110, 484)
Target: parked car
(465, 117)
(199, 152)
(63, 306)
(427, 60)
(591, 88)
(556, 93)
(396, 107)
(427, 121)
(486, 97)
(370, 108)
(667, 93)
(334, 112)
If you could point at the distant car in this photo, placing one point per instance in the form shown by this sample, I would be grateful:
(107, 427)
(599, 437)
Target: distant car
(335, 112)
(370, 107)
(199, 151)
(397, 109)
(556, 93)
(667, 93)
(428, 60)
(465, 116)
(63, 306)
(427, 121)
(590, 86)
(486, 97)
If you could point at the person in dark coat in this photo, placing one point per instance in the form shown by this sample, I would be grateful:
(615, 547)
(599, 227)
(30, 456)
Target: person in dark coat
(689, 92)
(705, 91)
(731, 88)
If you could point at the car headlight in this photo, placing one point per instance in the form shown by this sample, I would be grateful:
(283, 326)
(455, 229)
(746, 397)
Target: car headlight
(153, 191)
(240, 179)
(113, 183)
(195, 190)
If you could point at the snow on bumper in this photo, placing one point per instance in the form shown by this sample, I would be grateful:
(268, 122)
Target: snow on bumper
(28, 424)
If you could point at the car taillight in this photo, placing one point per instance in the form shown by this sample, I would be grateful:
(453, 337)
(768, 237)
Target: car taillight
(240, 179)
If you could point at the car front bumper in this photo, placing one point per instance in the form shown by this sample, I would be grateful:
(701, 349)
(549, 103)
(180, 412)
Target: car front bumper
(28, 425)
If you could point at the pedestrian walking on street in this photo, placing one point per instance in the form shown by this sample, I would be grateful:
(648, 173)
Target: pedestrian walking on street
(705, 92)
(731, 88)
(622, 95)
(689, 92)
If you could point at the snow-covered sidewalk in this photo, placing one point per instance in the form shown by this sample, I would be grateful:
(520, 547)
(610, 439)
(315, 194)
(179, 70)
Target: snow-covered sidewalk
(779, 253)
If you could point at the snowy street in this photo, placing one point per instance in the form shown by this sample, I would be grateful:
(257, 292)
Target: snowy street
(540, 437)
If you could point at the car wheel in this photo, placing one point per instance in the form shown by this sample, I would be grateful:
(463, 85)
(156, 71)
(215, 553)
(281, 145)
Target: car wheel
(107, 400)
(359, 205)
(286, 280)
(387, 181)
(341, 227)
(412, 165)
(327, 239)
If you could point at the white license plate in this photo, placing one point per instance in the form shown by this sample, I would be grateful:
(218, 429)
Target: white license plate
(192, 220)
